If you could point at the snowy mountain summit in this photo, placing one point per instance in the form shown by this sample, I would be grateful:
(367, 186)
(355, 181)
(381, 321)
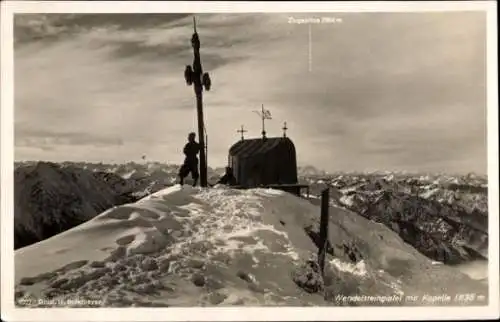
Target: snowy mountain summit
(184, 246)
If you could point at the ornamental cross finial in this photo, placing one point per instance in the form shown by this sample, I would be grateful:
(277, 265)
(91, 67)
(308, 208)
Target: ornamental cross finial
(242, 131)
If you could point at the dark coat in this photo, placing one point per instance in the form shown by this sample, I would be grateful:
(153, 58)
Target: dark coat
(191, 149)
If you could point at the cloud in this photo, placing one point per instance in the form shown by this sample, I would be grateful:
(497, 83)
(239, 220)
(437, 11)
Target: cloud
(47, 139)
(57, 27)
(386, 90)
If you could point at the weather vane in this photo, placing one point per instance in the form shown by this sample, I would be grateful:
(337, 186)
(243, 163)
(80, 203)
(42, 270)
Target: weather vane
(265, 115)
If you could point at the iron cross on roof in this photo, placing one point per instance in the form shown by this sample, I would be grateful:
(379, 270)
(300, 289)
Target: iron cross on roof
(242, 131)
(284, 128)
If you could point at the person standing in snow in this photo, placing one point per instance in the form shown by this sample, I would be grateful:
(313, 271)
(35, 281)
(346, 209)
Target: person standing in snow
(190, 165)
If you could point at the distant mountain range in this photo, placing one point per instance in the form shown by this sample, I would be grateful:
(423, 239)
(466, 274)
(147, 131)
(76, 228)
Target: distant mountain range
(445, 217)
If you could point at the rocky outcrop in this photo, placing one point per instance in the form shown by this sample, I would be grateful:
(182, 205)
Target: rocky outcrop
(446, 233)
(445, 220)
(50, 199)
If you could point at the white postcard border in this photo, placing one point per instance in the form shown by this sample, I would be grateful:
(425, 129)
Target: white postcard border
(10, 313)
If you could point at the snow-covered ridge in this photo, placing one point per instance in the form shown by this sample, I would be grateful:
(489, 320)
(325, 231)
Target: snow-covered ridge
(184, 246)
(53, 197)
(445, 216)
(50, 199)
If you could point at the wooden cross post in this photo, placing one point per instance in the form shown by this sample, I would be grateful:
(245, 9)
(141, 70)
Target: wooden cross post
(242, 131)
(284, 128)
(194, 76)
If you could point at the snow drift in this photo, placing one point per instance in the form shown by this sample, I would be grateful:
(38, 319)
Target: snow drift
(186, 246)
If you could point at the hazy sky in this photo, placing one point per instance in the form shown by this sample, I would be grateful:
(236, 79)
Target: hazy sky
(387, 91)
